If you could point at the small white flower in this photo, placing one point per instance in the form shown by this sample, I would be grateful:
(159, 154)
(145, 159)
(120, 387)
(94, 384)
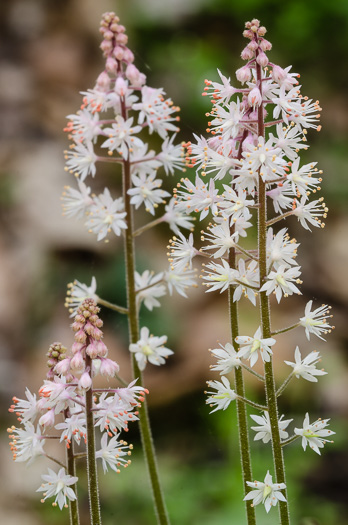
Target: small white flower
(246, 278)
(315, 322)
(112, 453)
(199, 196)
(73, 427)
(113, 414)
(314, 434)
(76, 202)
(180, 280)
(81, 160)
(181, 252)
(176, 217)
(281, 250)
(306, 367)
(223, 395)
(26, 443)
(58, 485)
(220, 236)
(150, 349)
(106, 215)
(264, 428)
(146, 190)
(121, 136)
(78, 292)
(26, 409)
(281, 282)
(266, 492)
(153, 288)
(252, 346)
(219, 276)
(227, 359)
(310, 212)
(171, 155)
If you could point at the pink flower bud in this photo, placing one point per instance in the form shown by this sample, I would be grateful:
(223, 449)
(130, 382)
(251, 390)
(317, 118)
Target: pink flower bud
(111, 65)
(92, 350)
(253, 45)
(77, 362)
(122, 39)
(85, 381)
(247, 54)
(248, 34)
(108, 367)
(262, 31)
(262, 59)
(243, 74)
(108, 35)
(278, 74)
(254, 97)
(120, 28)
(141, 80)
(132, 73)
(265, 45)
(80, 336)
(118, 52)
(47, 420)
(128, 56)
(62, 367)
(249, 140)
(106, 46)
(103, 81)
(76, 326)
(76, 347)
(102, 349)
(121, 86)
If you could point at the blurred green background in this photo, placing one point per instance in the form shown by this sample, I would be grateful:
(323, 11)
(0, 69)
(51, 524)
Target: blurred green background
(49, 52)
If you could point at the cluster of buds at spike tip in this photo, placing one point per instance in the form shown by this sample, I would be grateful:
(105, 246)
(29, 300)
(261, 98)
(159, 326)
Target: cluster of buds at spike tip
(55, 354)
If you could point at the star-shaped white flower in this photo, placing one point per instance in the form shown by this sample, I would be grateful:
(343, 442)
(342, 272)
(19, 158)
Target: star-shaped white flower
(223, 395)
(264, 427)
(314, 434)
(315, 322)
(306, 367)
(227, 359)
(112, 453)
(252, 347)
(58, 485)
(150, 349)
(265, 492)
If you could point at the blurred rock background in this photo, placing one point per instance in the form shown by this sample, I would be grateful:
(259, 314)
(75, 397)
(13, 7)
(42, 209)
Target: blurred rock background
(49, 53)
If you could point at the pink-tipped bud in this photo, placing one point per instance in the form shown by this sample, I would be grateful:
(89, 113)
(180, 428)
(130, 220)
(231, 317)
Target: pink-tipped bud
(247, 54)
(111, 65)
(85, 381)
(253, 45)
(118, 52)
(106, 46)
(248, 34)
(265, 45)
(121, 87)
(47, 420)
(77, 362)
(80, 336)
(108, 35)
(103, 81)
(62, 367)
(255, 97)
(77, 326)
(132, 73)
(122, 39)
(102, 349)
(243, 74)
(262, 31)
(128, 56)
(262, 59)
(278, 74)
(76, 347)
(108, 367)
(92, 350)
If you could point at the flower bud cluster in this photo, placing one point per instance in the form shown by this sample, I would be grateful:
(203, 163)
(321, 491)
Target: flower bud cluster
(55, 354)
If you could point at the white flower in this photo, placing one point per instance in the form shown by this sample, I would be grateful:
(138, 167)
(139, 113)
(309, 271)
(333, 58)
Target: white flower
(181, 252)
(227, 359)
(58, 485)
(251, 346)
(289, 139)
(314, 434)
(153, 288)
(84, 126)
(227, 120)
(25, 409)
(81, 160)
(223, 395)
(247, 277)
(281, 250)
(171, 155)
(221, 92)
(302, 179)
(78, 292)
(219, 276)
(315, 322)
(264, 429)
(281, 281)
(199, 197)
(121, 136)
(266, 492)
(112, 453)
(282, 197)
(76, 202)
(146, 189)
(220, 236)
(180, 280)
(310, 212)
(106, 215)
(306, 367)
(57, 394)
(235, 204)
(156, 111)
(26, 443)
(113, 414)
(176, 217)
(150, 348)
(73, 427)
(264, 157)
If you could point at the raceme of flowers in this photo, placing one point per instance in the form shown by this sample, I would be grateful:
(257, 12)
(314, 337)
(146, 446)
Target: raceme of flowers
(256, 133)
(60, 412)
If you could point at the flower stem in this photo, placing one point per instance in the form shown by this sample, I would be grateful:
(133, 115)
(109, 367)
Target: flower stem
(271, 396)
(93, 492)
(289, 440)
(252, 403)
(148, 226)
(283, 330)
(71, 468)
(244, 444)
(284, 385)
(133, 326)
(259, 376)
(112, 306)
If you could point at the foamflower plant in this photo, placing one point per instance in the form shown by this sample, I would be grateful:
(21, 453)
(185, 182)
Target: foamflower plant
(248, 172)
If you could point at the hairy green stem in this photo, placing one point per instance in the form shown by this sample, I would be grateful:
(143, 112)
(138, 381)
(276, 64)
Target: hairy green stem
(284, 385)
(112, 306)
(148, 226)
(283, 330)
(289, 440)
(92, 475)
(133, 326)
(244, 444)
(71, 469)
(270, 388)
(251, 371)
(252, 403)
